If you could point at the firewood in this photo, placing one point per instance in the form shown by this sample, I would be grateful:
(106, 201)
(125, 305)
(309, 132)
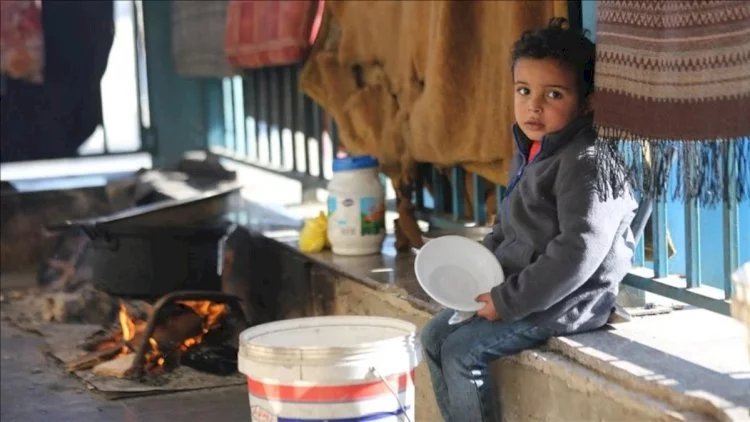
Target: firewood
(136, 309)
(170, 335)
(90, 360)
(117, 367)
(92, 342)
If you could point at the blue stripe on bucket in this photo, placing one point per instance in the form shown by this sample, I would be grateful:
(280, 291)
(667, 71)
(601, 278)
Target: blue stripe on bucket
(363, 418)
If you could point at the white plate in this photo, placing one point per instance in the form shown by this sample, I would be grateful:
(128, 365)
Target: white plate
(454, 270)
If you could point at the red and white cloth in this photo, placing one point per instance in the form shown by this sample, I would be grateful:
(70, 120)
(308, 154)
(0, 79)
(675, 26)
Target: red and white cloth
(271, 33)
(22, 40)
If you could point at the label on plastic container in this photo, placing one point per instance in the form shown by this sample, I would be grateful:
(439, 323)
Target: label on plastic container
(356, 216)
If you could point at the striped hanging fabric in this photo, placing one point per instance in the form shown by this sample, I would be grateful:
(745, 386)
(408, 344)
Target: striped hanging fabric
(673, 96)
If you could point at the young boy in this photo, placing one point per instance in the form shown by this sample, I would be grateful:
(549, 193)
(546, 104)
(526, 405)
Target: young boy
(563, 249)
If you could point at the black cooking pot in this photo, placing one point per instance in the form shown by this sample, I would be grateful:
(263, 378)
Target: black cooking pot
(149, 262)
(151, 250)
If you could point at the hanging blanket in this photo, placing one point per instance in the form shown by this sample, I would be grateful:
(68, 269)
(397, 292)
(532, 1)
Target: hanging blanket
(198, 31)
(53, 119)
(263, 33)
(673, 79)
(422, 81)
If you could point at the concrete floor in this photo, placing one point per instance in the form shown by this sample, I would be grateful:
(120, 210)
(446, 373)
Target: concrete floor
(35, 388)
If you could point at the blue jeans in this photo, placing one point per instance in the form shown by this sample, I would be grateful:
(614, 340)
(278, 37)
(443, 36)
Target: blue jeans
(459, 357)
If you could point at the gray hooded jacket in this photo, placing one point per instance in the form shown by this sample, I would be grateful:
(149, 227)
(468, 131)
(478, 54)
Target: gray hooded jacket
(564, 251)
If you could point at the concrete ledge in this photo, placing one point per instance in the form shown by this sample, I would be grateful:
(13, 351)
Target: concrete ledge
(689, 365)
(692, 359)
(540, 385)
(550, 387)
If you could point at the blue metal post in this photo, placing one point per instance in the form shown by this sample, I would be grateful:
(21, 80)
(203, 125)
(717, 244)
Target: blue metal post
(693, 243)
(212, 90)
(304, 120)
(148, 139)
(730, 222)
(275, 156)
(437, 191)
(264, 140)
(659, 226)
(419, 188)
(287, 118)
(177, 106)
(317, 132)
(457, 192)
(229, 132)
(238, 97)
(251, 116)
(480, 210)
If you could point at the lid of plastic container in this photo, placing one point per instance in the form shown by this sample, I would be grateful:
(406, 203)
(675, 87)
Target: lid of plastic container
(355, 163)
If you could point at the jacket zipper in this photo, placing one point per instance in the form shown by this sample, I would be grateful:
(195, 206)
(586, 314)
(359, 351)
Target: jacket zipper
(519, 173)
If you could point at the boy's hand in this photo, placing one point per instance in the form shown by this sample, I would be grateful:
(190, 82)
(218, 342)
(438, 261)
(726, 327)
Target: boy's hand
(488, 312)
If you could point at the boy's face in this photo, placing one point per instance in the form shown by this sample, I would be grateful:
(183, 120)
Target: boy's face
(545, 99)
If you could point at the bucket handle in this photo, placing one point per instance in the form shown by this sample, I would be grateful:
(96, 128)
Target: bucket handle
(401, 406)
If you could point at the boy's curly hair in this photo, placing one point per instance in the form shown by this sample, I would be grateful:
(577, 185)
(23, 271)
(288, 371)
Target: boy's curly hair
(568, 46)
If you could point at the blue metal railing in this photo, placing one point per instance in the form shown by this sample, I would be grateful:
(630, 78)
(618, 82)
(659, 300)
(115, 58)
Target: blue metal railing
(268, 123)
(683, 281)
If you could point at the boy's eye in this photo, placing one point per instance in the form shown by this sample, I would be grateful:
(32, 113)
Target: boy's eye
(555, 95)
(523, 90)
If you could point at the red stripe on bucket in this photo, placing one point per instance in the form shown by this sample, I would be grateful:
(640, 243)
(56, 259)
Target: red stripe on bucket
(327, 393)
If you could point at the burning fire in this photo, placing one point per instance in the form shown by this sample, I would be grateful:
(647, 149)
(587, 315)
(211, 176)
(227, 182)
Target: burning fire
(210, 313)
(128, 327)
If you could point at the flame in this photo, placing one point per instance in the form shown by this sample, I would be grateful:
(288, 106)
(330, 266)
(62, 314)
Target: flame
(128, 327)
(211, 312)
(126, 324)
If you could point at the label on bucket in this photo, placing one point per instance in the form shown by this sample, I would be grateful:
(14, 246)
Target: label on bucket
(260, 414)
(370, 401)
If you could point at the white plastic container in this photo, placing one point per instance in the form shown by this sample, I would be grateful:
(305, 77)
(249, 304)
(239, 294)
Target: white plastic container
(356, 207)
(331, 368)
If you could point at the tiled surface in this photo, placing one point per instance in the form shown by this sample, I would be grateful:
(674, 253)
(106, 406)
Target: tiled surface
(34, 388)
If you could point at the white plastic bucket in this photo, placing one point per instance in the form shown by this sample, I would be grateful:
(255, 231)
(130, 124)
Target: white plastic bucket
(332, 368)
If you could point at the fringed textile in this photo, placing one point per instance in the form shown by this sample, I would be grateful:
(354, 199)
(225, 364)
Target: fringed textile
(673, 96)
